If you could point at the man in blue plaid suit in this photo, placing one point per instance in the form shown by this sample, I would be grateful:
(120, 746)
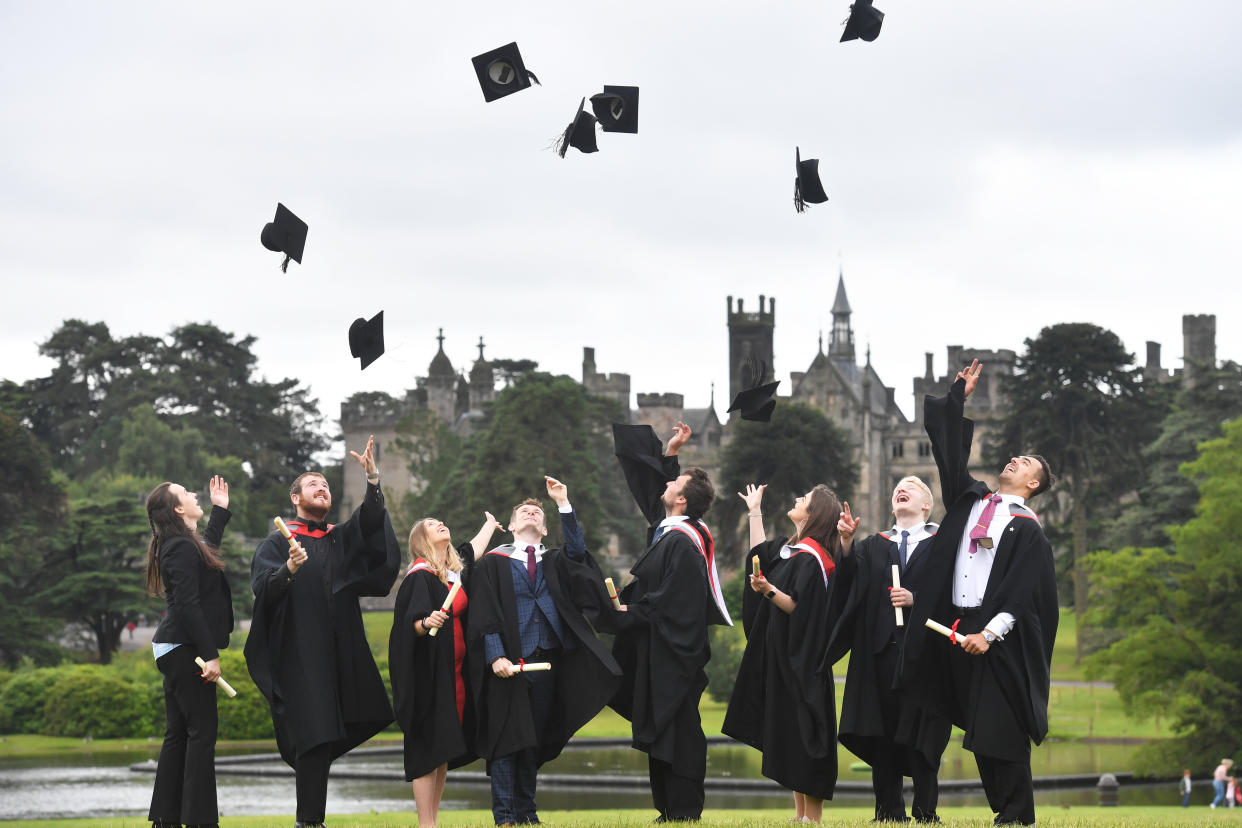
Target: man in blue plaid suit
(521, 611)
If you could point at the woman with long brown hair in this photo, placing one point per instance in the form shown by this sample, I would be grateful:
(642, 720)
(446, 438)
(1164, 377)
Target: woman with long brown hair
(429, 689)
(781, 705)
(186, 568)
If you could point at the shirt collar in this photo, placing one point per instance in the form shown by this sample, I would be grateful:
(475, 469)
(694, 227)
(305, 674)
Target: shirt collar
(672, 521)
(519, 551)
(1009, 498)
(918, 532)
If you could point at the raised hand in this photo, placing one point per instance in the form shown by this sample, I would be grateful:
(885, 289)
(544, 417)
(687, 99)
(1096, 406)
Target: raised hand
(847, 526)
(557, 490)
(753, 497)
(219, 492)
(367, 458)
(490, 523)
(681, 434)
(971, 374)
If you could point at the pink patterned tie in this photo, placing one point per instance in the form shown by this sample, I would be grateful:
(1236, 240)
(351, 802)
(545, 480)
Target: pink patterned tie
(979, 532)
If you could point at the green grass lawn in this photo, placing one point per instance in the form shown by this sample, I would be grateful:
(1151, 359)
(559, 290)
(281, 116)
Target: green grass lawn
(1123, 817)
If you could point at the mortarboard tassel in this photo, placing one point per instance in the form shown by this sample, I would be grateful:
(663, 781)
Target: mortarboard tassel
(562, 142)
(531, 75)
(284, 266)
(799, 204)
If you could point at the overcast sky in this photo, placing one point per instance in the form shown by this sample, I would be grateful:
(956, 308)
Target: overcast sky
(993, 168)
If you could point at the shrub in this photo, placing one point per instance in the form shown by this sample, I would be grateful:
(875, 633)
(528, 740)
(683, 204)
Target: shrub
(23, 698)
(93, 704)
(247, 716)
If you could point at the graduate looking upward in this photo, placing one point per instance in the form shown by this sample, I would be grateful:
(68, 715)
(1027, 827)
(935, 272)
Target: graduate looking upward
(995, 582)
(522, 610)
(307, 650)
(782, 704)
(882, 723)
(674, 596)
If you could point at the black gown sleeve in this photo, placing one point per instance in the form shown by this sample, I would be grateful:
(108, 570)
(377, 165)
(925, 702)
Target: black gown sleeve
(213, 535)
(647, 485)
(951, 436)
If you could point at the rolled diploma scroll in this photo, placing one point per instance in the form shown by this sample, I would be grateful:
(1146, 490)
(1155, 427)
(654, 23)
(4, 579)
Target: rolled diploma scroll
(901, 622)
(448, 602)
(940, 628)
(754, 566)
(612, 592)
(284, 530)
(224, 685)
(534, 666)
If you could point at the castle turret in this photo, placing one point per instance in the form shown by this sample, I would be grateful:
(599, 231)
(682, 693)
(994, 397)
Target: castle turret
(750, 346)
(441, 384)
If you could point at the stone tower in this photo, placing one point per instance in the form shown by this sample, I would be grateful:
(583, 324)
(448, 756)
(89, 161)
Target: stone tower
(615, 386)
(441, 384)
(750, 346)
(1198, 344)
(482, 382)
(841, 344)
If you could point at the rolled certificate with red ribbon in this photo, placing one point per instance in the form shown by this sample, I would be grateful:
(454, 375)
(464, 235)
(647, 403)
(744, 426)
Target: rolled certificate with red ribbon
(901, 621)
(534, 666)
(224, 685)
(284, 530)
(948, 633)
(448, 602)
(754, 566)
(612, 592)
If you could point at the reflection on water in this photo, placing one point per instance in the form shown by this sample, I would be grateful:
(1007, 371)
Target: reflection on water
(104, 785)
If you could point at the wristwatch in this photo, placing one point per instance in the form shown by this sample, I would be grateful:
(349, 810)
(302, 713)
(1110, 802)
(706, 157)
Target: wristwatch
(989, 637)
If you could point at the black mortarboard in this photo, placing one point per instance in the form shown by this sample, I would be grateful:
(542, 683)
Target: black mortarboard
(366, 339)
(639, 443)
(580, 134)
(756, 403)
(864, 22)
(285, 234)
(807, 186)
(617, 108)
(501, 72)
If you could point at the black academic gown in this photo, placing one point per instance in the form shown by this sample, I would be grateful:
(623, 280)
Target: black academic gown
(867, 624)
(661, 641)
(782, 704)
(424, 688)
(307, 650)
(586, 674)
(1007, 703)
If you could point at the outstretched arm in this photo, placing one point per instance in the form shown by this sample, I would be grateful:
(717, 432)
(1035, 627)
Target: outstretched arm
(951, 433)
(571, 533)
(371, 513)
(753, 498)
(484, 536)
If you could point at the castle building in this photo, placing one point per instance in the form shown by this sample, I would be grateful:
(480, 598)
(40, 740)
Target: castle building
(888, 445)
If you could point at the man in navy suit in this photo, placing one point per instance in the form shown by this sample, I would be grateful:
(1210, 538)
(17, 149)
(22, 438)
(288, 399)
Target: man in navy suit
(521, 611)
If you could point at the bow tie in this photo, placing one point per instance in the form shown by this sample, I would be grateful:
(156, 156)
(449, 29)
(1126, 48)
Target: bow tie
(313, 525)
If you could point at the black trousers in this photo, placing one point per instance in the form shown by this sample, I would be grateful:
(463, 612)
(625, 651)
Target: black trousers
(515, 776)
(311, 772)
(185, 778)
(1007, 782)
(891, 758)
(676, 796)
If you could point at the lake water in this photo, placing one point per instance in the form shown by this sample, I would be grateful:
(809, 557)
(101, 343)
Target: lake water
(105, 785)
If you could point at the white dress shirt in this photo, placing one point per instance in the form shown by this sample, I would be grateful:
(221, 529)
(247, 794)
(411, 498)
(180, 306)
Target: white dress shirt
(918, 532)
(971, 571)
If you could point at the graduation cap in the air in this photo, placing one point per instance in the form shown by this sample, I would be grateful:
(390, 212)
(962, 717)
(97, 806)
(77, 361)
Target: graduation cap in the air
(501, 72)
(756, 403)
(807, 186)
(616, 108)
(366, 339)
(638, 443)
(580, 134)
(285, 234)
(864, 22)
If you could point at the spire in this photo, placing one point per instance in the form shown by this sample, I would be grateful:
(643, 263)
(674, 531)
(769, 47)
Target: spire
(440, 367)
(711, 403)
(821, 340)
(480, 349)
(841, 304)
(841, 345)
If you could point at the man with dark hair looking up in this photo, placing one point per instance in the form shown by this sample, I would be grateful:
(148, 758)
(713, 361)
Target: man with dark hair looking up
(307, 650)
(995, 584)
(662, 642)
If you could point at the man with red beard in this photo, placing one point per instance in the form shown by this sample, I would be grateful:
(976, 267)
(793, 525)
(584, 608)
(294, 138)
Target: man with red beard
(307, 650)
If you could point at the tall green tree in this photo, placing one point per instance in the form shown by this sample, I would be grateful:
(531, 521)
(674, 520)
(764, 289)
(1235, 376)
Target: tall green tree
(1077, 398)
(798, 449)
(540, 425)
(198, 377)
(1207, 397)
(1179, 648)
(33, 509)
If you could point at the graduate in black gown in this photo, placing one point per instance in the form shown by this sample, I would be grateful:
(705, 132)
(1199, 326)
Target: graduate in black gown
(782, 704)
(307, 650)
(995, 585)
(430, 694)
(524, 607)
(662, 642)
(187, 570)
(882, 722)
